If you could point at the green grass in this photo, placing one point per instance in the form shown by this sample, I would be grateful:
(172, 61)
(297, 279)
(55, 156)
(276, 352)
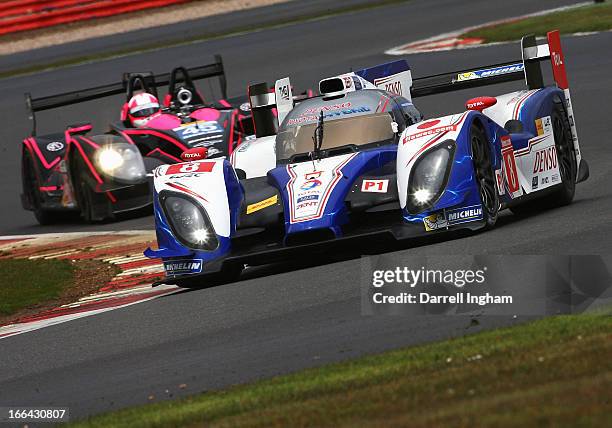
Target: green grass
(595, 17)
(24, 283)
(552, 372)
(332, 11)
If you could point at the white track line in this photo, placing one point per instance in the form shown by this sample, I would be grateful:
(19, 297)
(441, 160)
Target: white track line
(15, 329)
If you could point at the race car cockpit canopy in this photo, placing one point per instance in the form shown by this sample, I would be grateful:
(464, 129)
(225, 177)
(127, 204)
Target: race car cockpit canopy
(354, 119)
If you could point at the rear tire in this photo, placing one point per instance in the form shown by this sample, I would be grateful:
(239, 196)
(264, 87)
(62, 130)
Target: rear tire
(566, 158)
(484, 175)
(30, 186)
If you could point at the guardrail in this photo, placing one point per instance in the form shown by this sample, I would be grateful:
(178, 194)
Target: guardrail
(23, 15)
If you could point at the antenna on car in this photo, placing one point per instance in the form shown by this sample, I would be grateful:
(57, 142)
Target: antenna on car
(317, 138)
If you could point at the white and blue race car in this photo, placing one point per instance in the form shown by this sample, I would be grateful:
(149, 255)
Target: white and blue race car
(359, 161)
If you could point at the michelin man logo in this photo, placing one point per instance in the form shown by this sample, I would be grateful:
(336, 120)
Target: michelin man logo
(435, 221)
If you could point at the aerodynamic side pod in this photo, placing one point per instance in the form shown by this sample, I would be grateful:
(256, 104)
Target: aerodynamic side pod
(527, 69)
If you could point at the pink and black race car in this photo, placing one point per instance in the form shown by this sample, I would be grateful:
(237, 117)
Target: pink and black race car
(106, 174)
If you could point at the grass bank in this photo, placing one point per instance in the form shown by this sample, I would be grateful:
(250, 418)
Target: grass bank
(552, 372)
(594, 17)
(25, 283)
(31, 286)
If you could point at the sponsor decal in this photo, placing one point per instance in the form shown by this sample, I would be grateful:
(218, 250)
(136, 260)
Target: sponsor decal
(262, 204)
(555, 178)
(428, 132)
(192, 155)
(435, 221)
(312, 175)
(466, 76)
(490, 72)
(534, 182)
(195, 129)
(246, 107)
(539, 127)
(310, 184)
(510, 169)
(187, 175)
(313, 117)
(543, 125)
(374, 186)
(305, 205)
(304, 182)
(390, 84)
(480, 103)
(208, 144)
(499, 176)
(55, 146)
(186, 168)
(545, 160)
(326, 109)
(472, 106)
(463, 215)
(212, 151)
(307, 198)
(183, 266)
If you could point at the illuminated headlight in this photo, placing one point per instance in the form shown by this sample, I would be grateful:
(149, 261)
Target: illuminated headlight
(109, 159)
(429, 177)
(189, 222)
(121, 161)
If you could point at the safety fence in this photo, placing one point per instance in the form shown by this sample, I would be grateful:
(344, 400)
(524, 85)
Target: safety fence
(24, 15)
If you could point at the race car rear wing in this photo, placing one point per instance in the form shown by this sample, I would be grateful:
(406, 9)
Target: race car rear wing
(528, 68)
(152, 81)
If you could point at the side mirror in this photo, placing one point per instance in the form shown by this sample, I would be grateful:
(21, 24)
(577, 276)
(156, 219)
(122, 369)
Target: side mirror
(198, 153)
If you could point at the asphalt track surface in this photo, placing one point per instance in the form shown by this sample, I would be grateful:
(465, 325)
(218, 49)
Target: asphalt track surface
(283, 318)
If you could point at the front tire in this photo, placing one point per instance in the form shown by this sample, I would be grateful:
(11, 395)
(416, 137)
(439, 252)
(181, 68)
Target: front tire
(94, 207)
(484, 175)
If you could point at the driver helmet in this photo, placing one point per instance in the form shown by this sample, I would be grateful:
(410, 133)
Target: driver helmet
(142, 108)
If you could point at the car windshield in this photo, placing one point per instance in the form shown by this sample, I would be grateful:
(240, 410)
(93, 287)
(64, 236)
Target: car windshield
(357, 130)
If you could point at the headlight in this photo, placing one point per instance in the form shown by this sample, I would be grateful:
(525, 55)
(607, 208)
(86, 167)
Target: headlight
(121, 161)
(109, 159)
(189, 222)
(429, 176)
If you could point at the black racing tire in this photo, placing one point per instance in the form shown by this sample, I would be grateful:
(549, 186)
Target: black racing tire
(484, 175)
(566, 157)
(87, 199)
(30, 184)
